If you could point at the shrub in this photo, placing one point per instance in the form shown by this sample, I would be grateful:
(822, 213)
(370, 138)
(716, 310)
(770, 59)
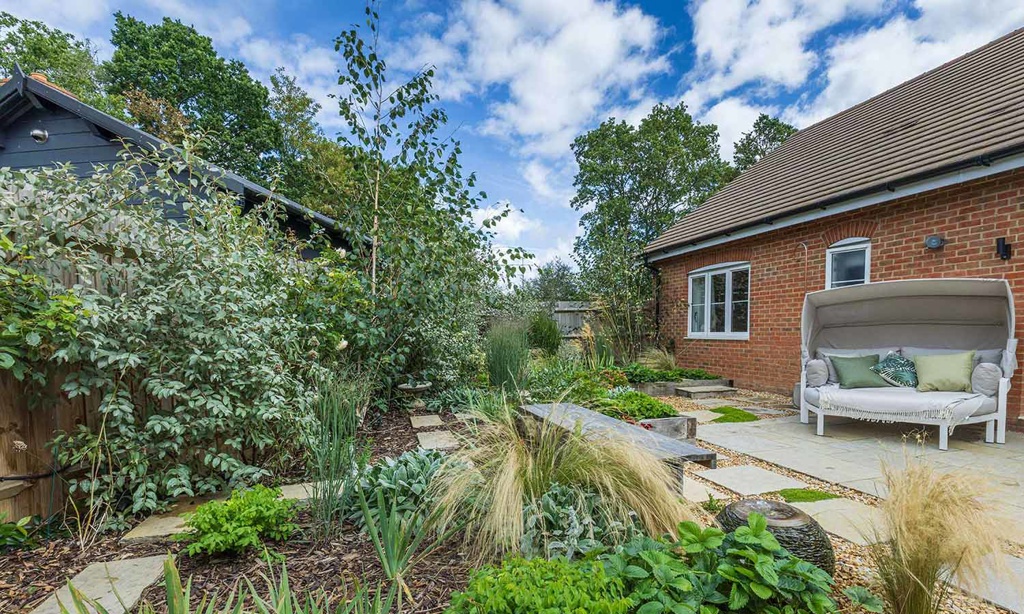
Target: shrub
(565, 522)
(516, 459)
(936, 527)
(746, 571)
(558, 380)
(404, 482)
(639, 374)
(242, 522)
(637, 406)
(508, 355)
(658, 359)
(532, 586)
(16, 534)
(544, 334)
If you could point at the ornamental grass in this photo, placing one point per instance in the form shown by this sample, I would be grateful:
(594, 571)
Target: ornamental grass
(936, 527)
(513, 460)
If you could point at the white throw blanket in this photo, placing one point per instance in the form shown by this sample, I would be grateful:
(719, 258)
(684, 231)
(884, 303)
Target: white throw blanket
(898, 404)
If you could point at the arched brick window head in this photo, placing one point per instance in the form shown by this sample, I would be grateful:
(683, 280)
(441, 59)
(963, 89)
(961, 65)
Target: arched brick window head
(848, 262)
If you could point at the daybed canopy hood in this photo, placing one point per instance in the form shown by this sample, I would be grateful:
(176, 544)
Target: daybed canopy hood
(950, 313)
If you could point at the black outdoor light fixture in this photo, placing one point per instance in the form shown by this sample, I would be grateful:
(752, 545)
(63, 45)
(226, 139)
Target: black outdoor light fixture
(934, 242)
(1003, 249)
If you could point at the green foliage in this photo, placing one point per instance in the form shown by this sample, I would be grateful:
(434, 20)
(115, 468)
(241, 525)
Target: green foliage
(544, 334)
(555, 281)
(708, 571)
(538, 585)
(171, 62)
(404, 481)
(65, 60)
(566, 522)
(16, 534)
(633, 183)
(241, 522)
(637, 406)
(733, 414)
(555, 379)
(638, 373)
(804, 495)
(508, 355)
(766, 134)
(712, 505)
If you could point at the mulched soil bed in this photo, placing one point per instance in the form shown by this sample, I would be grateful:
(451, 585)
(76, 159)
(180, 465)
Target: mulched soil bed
(28, 577)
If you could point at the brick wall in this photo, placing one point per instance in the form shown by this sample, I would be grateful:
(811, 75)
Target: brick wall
(787, 263)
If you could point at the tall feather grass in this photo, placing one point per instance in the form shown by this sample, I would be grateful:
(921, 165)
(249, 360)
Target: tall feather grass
(936, 527)
(508, 355)
(658, 359)
(513, 460)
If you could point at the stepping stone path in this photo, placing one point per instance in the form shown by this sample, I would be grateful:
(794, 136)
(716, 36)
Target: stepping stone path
(704, 392)
(110, 584)
(748, 480)
(698, 493)
(1006, 590)
(703, 416)
(437, 440)
(851, 520)
(762, 411)
(424, 422)
(715, 403)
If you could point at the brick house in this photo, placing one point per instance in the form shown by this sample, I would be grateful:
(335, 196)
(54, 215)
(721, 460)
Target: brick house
(924, 180)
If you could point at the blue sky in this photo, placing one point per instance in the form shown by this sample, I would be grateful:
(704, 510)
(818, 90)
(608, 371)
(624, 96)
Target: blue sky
(521, 78)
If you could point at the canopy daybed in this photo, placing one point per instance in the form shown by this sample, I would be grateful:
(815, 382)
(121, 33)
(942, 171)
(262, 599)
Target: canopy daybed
(911, 317)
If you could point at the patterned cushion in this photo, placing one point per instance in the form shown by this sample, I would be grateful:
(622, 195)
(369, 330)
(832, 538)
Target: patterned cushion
(897, 370)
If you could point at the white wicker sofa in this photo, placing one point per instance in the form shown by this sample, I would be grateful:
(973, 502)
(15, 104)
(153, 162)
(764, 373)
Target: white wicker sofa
(922, 316)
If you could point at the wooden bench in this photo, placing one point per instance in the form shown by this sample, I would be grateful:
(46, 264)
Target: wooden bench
(673, 451)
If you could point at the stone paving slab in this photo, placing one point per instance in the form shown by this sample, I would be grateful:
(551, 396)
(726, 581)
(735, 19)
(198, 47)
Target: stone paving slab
(762, 411)
(425, 422)
(117, 586)
(703, 392)
(749, 480)
(703, 416)
(715, 402)
(698, 493)
(851, 520)
(1006, 591)
(437, 440)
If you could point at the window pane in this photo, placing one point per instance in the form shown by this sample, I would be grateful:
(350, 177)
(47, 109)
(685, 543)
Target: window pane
(697, 289)
(739, 316)
(848, 268)
(718, 318)
(718, 294)
(718, 288)
(740, 285)
(697, 318)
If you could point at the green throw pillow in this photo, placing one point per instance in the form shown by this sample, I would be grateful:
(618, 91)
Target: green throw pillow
(855, 372)
(897, 370)
(944, 372)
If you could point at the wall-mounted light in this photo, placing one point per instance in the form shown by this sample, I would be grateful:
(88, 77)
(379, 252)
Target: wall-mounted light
(39, 135)
(1003, 249)
(934, 242)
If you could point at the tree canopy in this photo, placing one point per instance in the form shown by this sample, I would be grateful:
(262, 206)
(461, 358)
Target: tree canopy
(555, 281)
(767, 133)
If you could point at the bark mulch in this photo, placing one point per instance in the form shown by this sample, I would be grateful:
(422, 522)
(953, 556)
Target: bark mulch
(27, 577)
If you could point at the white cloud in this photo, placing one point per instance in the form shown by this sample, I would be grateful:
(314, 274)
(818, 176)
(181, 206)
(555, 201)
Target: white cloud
(550, 68)
(509, 229)
(733, 116)
(70, 16)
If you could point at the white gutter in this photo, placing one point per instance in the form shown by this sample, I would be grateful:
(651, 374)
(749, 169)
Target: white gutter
(1002, 165)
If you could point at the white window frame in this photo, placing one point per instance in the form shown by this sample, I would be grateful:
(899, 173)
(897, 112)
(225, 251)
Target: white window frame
(853, 244)
(728, 268)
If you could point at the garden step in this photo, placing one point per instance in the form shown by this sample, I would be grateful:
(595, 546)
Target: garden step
(568, 415)
(703, 392)
(115, 585)
(424, 422)
(437, 440)
(748, 480)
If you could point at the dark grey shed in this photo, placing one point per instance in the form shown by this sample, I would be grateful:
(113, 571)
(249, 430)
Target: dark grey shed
(84, 136)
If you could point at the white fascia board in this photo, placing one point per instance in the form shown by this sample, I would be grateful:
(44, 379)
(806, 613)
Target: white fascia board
(942, 181)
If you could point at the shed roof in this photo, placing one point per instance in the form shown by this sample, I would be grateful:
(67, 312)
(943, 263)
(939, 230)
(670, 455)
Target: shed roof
(966, 112)
(20, 93)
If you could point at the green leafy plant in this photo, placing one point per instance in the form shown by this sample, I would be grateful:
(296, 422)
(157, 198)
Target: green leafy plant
(706, 570)
(543, 334)
(712, 505)
(16, 534)
(804, 495)
(639, 374)
(508, 354)
(404, 482)
(241, 522)
(733, 414)
(637, 406)
(567, 522)
(521, 586)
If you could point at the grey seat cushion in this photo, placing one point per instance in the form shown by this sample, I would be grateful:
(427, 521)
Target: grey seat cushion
(824, 353)
(988, 406)
(985, 379)
(816, 373)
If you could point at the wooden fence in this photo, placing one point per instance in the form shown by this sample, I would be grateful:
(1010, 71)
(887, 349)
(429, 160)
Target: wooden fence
(570, 317)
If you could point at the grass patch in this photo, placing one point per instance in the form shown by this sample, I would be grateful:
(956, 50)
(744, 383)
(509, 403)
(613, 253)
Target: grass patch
(805, 495)
(733, 414)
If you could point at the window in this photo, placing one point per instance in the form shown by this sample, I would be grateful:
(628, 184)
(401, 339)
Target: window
(848, 263)
(720, 302)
